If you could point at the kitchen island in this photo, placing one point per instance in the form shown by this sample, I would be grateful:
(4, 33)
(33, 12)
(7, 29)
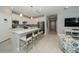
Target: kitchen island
(18, 33)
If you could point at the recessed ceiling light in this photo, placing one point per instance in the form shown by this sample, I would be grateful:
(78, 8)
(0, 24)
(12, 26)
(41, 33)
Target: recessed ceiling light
(21, 15)
(12, 8)
(40, 9)
(66, 7)
(31, 6)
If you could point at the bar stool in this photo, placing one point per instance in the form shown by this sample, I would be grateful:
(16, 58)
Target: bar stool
(35, 35)
(27, 41)
(40, 33)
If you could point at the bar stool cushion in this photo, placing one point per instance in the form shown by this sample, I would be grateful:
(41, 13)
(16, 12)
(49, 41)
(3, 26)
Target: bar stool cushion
(40, 32)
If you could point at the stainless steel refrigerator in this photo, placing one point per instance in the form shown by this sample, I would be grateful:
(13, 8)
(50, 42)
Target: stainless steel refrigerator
(42, 26)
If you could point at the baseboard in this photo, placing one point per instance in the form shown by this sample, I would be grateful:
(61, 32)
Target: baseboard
(5, 40)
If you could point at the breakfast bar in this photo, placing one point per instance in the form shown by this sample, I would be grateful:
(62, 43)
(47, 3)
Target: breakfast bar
(18, 33)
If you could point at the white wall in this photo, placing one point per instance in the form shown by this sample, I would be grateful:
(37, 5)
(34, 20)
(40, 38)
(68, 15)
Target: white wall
(5, 13)
(71, 12)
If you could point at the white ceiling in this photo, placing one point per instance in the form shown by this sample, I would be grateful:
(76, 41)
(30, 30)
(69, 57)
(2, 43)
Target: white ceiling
(34, 11)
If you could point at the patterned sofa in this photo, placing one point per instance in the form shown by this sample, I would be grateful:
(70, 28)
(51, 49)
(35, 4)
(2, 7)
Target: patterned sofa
(68, 44)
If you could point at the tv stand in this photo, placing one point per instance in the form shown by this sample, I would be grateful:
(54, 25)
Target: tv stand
(76, 29)
(73, 32)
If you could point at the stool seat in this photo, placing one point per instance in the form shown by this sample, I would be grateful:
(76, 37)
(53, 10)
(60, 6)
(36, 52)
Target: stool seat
(40, 32)
(35, 35)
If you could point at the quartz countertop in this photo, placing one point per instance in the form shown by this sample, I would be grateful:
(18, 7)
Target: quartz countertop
(21, 30)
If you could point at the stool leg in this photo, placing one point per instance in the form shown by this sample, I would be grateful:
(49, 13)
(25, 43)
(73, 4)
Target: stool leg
(30, 45)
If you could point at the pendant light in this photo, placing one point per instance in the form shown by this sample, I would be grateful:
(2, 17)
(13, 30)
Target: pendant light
(21, 15)
(66, 7)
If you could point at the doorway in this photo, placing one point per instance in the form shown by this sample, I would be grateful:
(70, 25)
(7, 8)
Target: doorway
(52, 23)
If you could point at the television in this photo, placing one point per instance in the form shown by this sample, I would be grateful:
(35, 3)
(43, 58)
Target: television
(71, 22)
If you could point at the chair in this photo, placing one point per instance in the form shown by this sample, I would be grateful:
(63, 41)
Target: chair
(40, 33)
(35, 35)
(27, 41)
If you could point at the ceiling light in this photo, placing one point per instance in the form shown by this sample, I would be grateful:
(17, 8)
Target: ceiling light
(11, 8)
(40, 9)
(36, 9)
(31, 6)
(66, 7)
(21, 15)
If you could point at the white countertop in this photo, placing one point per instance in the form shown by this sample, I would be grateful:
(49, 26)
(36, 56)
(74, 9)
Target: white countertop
(21, 30)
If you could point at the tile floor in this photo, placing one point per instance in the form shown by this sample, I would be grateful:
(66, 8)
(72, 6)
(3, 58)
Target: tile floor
(48, 44)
